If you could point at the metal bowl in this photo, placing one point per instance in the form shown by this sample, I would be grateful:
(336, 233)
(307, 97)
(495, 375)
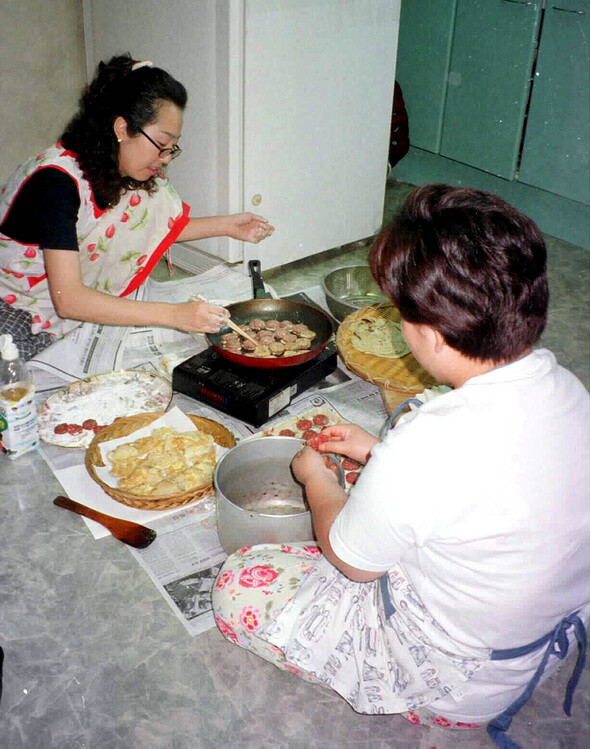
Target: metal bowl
(350, 288)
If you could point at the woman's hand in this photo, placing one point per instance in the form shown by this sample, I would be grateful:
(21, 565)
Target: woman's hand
(199, 317)
(326, 499)
(309, 466)
(248, 227)
(349, 440)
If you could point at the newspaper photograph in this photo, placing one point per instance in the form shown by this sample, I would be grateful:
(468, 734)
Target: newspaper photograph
(183, 563)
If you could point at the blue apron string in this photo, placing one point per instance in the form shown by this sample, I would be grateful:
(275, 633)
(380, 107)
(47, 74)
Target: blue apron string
(558, 645)
(578, 668)
(388, 606)
(391, 419)
(505, 655)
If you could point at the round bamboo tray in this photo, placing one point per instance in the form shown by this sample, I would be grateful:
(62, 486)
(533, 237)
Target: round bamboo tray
(127, 425)
(397, 379)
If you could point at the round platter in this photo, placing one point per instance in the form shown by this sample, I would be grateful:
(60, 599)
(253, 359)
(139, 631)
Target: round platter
(403, 375)
(101, 398)
(123, 427)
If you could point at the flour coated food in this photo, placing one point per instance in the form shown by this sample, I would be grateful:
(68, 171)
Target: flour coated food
(74, 414)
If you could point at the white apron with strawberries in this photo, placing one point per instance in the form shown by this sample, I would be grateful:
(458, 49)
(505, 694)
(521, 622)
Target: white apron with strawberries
(118, 247)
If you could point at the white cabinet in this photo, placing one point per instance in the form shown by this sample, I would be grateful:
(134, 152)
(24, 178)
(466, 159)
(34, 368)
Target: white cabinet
(289, 109)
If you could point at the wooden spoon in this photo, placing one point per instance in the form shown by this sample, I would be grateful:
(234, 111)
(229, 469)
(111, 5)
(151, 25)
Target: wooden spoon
(130, 533)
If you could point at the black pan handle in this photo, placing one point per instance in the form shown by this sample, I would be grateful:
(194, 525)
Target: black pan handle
(257, 283)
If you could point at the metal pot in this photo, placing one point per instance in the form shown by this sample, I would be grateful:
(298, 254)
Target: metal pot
(258, 500)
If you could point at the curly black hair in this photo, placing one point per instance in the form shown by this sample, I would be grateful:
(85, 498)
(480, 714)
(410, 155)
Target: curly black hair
(117, 90)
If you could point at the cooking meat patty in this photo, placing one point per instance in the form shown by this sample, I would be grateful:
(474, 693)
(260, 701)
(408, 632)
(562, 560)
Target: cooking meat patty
(275, 338)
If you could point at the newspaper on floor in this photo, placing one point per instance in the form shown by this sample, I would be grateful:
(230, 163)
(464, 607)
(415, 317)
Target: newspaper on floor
(183, 563)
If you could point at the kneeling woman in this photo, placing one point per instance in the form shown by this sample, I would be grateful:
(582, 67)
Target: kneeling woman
(83, 223)
(443, 581)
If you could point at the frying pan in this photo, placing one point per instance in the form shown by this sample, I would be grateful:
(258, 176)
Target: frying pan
(266, 308)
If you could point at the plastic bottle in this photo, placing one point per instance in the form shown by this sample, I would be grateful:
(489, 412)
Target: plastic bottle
(19, 431)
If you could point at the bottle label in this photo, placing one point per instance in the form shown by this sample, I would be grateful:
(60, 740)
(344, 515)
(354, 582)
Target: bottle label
(19, 431)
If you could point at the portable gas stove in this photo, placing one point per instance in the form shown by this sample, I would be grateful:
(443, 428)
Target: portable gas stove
(248, 394)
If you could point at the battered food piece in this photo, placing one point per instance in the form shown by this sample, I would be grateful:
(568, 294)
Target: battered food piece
(260, 351)
(166, 462)
(277, 348)
(265, 339)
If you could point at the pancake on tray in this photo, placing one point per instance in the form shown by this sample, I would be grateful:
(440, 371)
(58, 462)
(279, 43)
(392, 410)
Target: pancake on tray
(379, 337)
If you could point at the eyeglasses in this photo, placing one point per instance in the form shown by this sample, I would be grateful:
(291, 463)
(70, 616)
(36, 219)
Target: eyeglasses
(164, 153)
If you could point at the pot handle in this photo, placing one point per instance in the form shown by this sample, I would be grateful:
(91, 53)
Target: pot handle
(257, 283)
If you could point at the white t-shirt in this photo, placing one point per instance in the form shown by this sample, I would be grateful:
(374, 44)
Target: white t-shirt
(483, 495)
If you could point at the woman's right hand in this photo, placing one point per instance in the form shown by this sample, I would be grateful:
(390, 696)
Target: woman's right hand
(348, 440)
(199, 317)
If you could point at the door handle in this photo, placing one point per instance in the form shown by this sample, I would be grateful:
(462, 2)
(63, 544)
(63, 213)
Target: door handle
(569, 10)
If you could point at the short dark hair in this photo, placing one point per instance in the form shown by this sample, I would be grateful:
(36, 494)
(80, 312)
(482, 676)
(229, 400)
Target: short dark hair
(469, 265)
(117, 90)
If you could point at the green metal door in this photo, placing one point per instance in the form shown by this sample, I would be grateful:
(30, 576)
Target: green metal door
(556, 144)
(488, 83)
(425, 34)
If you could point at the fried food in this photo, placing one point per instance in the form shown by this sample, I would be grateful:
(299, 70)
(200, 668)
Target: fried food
(275, 338)
(166, 462)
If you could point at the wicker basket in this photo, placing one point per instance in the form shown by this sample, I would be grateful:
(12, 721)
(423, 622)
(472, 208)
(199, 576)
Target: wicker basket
(129, 424)
(397, 379)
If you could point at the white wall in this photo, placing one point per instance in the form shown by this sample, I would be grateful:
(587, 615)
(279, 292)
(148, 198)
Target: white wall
(43, 71)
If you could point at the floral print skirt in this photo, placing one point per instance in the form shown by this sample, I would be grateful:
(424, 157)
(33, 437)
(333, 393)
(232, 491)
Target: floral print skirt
(254, 585)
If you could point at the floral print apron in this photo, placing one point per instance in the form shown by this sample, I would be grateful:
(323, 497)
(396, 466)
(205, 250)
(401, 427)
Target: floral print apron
(289, 605)
(118, 247)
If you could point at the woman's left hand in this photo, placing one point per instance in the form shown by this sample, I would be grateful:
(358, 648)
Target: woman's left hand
(309, 465)
(248, 227)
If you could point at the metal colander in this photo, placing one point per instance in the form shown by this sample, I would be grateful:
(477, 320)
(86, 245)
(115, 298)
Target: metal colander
(350, 288)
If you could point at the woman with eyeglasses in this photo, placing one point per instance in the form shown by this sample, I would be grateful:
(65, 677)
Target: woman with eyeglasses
(84, 223)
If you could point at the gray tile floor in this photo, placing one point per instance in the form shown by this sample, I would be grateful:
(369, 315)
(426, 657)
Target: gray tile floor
(95, 659)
